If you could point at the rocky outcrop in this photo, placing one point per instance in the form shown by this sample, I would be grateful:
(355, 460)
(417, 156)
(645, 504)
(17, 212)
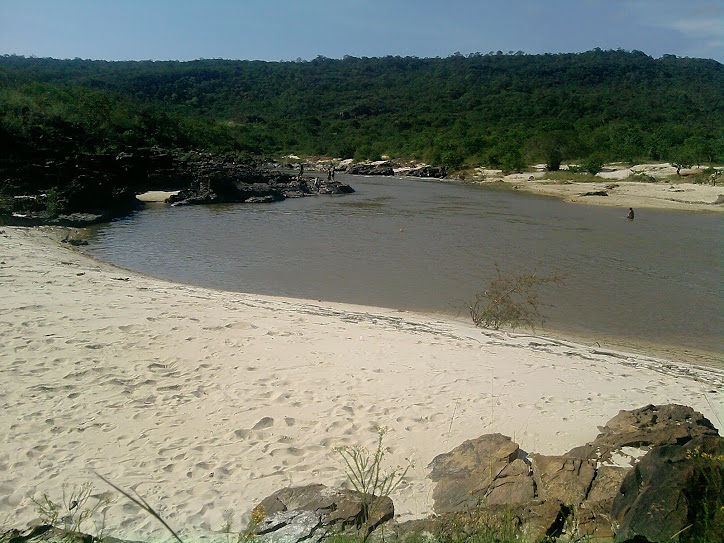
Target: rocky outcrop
(643, 428)
(84, 189)
(670, 493)
(244, 184)
(371, 168)
(438, 172)
(395, 167)
(81, 188)
(309, 513)
(592, 491)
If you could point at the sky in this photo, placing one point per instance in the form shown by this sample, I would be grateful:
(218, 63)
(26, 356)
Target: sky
(292, 29)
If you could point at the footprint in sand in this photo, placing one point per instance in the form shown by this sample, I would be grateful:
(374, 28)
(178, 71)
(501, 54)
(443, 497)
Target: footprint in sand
(265, 422)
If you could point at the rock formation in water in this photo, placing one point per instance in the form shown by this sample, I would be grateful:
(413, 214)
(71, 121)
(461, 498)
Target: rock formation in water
(216, 181)
(83, 189)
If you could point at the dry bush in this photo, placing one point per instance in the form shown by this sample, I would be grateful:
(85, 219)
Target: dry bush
(512, 300)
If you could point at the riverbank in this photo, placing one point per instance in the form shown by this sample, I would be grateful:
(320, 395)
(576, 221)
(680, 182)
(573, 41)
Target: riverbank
(205, 401)
(652, 186)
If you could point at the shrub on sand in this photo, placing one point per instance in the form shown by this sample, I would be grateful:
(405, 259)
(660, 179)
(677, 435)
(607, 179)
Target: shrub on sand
(511, 299)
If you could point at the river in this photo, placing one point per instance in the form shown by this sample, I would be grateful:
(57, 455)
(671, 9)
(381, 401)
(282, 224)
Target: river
(430, 246)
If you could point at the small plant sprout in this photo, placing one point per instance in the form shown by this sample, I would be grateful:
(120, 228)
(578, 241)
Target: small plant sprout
(73, 511)
(368, 479)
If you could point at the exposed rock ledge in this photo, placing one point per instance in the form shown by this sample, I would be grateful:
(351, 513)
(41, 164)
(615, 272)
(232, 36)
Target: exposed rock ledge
(635, 482)
(93, 188)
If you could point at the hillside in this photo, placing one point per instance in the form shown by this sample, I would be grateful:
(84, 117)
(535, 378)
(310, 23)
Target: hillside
(499, 110)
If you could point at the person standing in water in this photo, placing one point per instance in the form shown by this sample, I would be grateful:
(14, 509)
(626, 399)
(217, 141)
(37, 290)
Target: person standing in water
(630, 215)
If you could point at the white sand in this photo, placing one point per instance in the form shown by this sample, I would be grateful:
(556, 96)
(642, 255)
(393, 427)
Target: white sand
(668, 192)
(159, 386)
(156, 195)
(638, 195)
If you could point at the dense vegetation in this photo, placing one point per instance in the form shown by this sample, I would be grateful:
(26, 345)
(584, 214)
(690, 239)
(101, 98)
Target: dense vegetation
(494, 109)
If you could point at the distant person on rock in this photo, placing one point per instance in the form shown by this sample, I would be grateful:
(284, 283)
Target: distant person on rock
(630, 215)
(301, 170)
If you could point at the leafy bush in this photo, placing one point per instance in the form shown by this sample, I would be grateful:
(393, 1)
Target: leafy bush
(54, 203)
(593, 165)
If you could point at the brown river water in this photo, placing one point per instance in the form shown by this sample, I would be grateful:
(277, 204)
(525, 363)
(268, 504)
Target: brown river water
(654, 283)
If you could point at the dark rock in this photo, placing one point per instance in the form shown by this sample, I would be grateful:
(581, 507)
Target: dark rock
(573, 495)
(532, 521)
(217, 181)
(648, 426)
(371, 168)
(607, 483)
(49, 534)
(671, 492)
(438, 172)
(260, 199)
(595, 193)
(310, 512)
(85, 188)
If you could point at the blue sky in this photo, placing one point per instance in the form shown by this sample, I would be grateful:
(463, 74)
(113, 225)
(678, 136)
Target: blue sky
(291, 29)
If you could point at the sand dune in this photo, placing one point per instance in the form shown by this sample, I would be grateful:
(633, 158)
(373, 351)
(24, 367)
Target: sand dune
(205, 401)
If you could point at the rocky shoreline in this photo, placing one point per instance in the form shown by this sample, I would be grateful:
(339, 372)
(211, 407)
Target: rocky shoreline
(92, 188)
(650, 475)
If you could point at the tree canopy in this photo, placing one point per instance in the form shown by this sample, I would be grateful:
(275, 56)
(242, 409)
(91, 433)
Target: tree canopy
(495, 109)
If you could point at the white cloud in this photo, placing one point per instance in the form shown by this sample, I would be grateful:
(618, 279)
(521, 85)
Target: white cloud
(700, 27)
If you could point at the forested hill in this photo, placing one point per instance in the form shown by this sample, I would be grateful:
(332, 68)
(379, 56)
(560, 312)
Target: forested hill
(495, 109)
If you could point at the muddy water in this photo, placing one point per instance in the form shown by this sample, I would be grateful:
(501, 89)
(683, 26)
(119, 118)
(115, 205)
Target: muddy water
(410, 244)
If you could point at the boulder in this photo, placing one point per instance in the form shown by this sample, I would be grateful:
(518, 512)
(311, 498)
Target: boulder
(646, 427)
(438, 172)
(310, 512)
(573, 495)
(466, 474)
(675, 492)
(371, 168)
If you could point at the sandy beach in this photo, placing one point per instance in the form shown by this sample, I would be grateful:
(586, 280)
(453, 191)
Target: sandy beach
(668, 191)
(205, 401)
